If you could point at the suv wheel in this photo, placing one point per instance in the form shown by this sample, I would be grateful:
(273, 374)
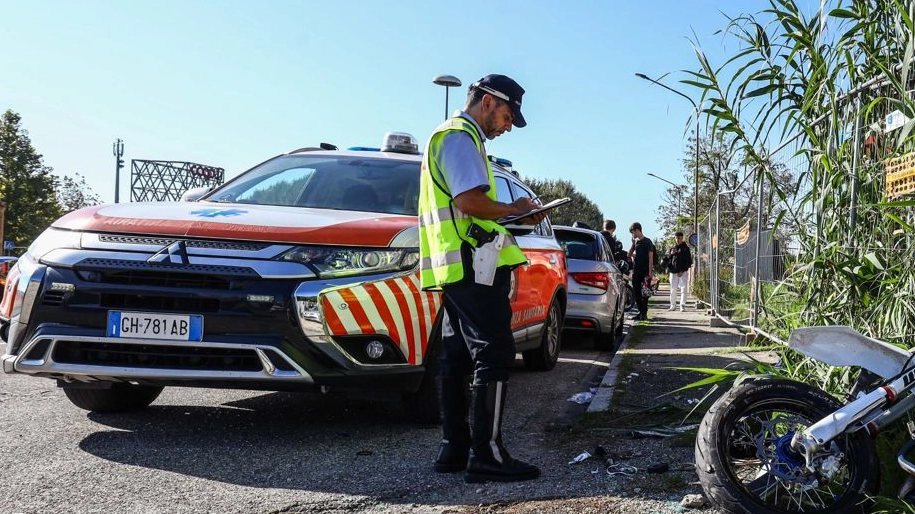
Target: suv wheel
(120, 397)
(544, 357)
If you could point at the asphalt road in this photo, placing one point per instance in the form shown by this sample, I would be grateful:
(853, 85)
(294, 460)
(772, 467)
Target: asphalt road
(220, 451)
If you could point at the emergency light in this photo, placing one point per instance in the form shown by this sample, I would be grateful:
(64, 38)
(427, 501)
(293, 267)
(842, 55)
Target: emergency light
(399, 142)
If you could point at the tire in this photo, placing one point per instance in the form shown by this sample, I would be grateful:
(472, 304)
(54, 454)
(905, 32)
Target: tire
(423, 405)
(544, 357)
(747, 431)
(120, 397)
(621, 314)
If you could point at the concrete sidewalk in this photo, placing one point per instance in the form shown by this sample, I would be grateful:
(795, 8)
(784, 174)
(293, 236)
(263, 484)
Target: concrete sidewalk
(668, 339)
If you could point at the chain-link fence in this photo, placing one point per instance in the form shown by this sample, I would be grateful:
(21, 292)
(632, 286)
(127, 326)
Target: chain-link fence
(739, 266)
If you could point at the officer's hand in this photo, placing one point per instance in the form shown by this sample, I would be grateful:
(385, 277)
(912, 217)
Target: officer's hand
(525, 204)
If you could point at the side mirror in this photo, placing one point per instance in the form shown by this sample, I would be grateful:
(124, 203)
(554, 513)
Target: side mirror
(194, 194)
(519, 230)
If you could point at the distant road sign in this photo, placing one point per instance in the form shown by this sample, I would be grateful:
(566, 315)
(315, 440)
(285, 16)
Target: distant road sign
(694, 239)
(9, 245)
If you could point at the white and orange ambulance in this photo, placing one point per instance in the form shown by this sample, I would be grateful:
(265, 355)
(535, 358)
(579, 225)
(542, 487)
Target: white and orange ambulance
(299, 273)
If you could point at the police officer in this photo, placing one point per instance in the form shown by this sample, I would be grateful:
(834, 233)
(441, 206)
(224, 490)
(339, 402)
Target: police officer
(466, 254)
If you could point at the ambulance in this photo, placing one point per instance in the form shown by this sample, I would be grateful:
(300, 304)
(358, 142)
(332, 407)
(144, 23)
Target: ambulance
(298, 274)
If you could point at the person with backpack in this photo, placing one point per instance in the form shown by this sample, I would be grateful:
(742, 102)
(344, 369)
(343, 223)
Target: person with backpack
(680, 260)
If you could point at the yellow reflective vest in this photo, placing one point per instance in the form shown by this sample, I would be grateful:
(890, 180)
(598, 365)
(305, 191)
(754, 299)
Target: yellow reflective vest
(442, 226)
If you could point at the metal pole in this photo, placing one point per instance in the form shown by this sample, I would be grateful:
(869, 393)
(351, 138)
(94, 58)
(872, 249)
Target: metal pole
(447, 81)
(679, 207)
(118, 151)
(696, 181)
(717, 241)
(759, 221)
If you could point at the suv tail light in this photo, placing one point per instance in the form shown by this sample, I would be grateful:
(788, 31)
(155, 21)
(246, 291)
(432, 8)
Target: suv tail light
(599, 279)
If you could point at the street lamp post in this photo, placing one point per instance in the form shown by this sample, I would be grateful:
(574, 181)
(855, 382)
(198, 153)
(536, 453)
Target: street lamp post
(448, 81)
(679, 189)
(696, 172)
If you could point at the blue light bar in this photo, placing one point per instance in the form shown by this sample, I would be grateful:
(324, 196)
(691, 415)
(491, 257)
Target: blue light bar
(363, 149)
(500, 161)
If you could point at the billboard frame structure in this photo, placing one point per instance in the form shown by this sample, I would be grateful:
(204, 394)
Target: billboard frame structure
(163, 181)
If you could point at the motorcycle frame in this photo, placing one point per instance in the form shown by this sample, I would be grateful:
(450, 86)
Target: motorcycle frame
(874, 410)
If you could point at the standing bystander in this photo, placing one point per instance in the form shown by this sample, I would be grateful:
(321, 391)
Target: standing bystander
(680, 261)
(642, 255)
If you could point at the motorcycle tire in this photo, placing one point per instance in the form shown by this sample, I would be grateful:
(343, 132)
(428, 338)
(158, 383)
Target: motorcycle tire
(745, 463)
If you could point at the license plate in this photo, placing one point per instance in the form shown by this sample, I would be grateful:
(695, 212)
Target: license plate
(147, 325)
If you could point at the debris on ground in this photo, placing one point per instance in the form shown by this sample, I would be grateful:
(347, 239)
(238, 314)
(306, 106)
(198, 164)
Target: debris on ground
(658, 467)
(581, 457)
(693, 501)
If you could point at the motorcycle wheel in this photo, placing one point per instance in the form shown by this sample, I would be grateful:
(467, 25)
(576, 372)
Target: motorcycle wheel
(746, 466)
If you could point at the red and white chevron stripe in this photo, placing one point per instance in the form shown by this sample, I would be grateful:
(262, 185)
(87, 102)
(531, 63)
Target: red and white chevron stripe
(395, 307)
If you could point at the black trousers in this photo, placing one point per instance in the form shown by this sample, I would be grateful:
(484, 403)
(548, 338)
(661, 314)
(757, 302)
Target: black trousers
(476, 333)
(637, 279)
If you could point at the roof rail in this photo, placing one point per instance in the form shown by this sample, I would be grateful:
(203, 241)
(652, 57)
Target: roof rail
(324, 146)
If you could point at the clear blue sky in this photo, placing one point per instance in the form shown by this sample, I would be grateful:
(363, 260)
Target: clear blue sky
(231, 83)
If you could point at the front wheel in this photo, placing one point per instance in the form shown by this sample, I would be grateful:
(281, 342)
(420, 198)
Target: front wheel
(120, 397)
(746, 464)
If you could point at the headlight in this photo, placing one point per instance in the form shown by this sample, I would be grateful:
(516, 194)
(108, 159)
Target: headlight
(330, 261)
(52, 239)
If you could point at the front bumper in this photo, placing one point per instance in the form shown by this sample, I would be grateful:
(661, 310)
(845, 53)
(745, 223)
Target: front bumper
(60, 333)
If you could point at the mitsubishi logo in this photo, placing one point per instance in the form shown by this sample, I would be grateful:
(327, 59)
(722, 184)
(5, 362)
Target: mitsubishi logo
(175, 253)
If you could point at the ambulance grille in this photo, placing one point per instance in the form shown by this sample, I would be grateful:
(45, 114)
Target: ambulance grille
(160, 241)
(158, 303)
(53, 298)
(165, 279)
(113, 266)
(155, 356)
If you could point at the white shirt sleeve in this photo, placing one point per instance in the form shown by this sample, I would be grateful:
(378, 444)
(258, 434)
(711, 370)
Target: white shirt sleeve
(461, 163)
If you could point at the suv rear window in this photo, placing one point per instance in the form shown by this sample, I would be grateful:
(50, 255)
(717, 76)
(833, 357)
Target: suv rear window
(328, 182)
(578, 245)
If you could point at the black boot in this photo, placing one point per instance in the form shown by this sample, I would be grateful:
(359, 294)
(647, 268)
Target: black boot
(452, 455)
(489, 460)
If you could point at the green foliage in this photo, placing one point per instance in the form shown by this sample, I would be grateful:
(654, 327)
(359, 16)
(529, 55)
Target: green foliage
(73, 193)
(27, 186)
(33, 196)
(790, 75)
(813, 74)
(579, 209)
(285, 192)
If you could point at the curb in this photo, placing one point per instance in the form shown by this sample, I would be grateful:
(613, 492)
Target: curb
(604, 394)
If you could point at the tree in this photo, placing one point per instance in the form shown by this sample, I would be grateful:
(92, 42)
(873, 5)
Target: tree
(74, 193)
(722, 168)
(579, 209)
(27, 187)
